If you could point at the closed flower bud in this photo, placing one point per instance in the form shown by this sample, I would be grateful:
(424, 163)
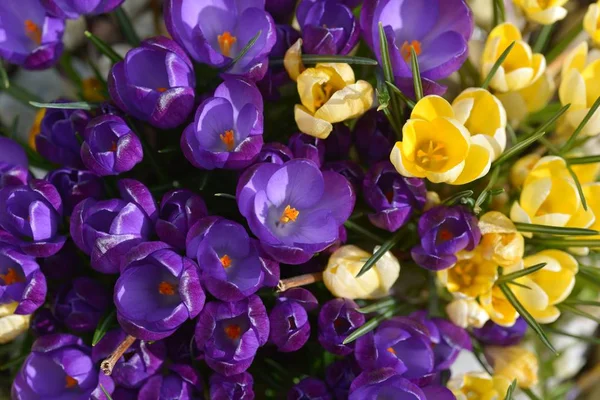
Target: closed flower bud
(11, 324)
(338, 319)
(289, 324)
(514, 362)
(521, 169)
(543, 12)
(520, 103)
(304, 146)
(467, 313)
(345, 263)
(591, 22)
(500, 241)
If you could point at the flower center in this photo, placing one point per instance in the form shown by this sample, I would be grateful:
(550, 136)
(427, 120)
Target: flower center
(11, 277)
(389, 195)
(166, 288)
(233, 331)
(161, 89)
(543, 4)
(432, 155)
(70, 382)
(228, 139)
(463, 273)
(33, 31)
(225, 43)
(444, 235)
(289, 215)
(292, 323)
(322, 93)
(406, 48)
(391, 350)
(226, 261)
(113, 146)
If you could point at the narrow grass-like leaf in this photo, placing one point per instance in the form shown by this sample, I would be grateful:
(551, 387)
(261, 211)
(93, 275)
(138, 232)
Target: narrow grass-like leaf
(4, 76)
(399, 93)
(551, 148)
(67, 67)
(386, 63)
(567, 38)
(579, 188)
(388, 76)
(554, 230)
(478, 353)
(148, 152)
(244, 51)
(76, 105)
(510, 296)
(542, 39)
(127, 27)
(103, 327)
(364, 232)
(530, 394)
(13, 363)
(518, 274)
(385, 247)
(486, 192)
(316, 59)
(226, 195)
(416, 73)
(588, 339)
(519, 285)
(578, 302)
(497, 64)
(380, 305)
(577, 311)
(499, 12)
(517, 149)
(589, 276)
(20, 94)
(103, 47)
(370, 325)
(566, 243)
(547, 124)
(583, 160)
(569, 144)
(511, 390)
(457, 197)
(108, 397)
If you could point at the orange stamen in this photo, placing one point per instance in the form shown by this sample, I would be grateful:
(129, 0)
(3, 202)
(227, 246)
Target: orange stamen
(33, 31)
(391, 350)
(113, 147)
(233, 331)
(11, 277)
(161, 89)
(405, 50)
(70, 382)
(289, 214)
(445, 234)
(228, 139)
(226, 261)
(166, 288)
(225, 43)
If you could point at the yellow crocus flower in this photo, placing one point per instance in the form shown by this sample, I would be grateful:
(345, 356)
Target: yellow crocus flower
(514, 362)
(479, 386)
(500, 241)
(11, 324)
(438, 147)
(521, 169)
(498, 307)
(467, 313)
(520, 69)
(470, 277)
(520, 103)
(543, 12)
(591, 22)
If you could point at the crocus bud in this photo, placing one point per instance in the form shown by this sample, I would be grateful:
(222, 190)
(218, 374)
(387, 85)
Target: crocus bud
(514, 362)
(304, 146)
(11, 324)
(338, 318)
(74, 9)
(81, 305)
(290, 328)
(179, 211)
(75, 185)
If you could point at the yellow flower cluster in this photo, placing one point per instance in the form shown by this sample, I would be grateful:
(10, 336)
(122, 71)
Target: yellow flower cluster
(543, 12)
(591, 22)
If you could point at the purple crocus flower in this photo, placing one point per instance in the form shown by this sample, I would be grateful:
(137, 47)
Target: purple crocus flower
(181, 382)
(229, 334)
(75, 8)
(291, 225)
(155, 83)
(139, 362)
(107, 229)
(496, 335)
(339, 376)
(338, 143)
(444, 231)
(280, 10)
(13, 163)
(75, 185)
(274, 153)
(110, 147)
(349, 170)
(231, 264)
(179, 210)
(309, 389)
(43, 322)
(30, 216)
(309, 147)
(276, 75)
(236, 387)
(81, 304)
(158, 290)
(374, 137)
(31, 37)
(437, 30)
(392, 196)
(57, 140)
(21, 280)
(60, 366)
(214, 32)
(338, 318)
(290, 328)
(328, 27)
(227, 130)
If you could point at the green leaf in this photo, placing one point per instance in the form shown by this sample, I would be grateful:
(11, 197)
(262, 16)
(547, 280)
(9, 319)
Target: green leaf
(519, 285)
(416, 73)
(566, 243)
(530, 394)
(582, 160)
(499, 12)
(13, 363)
(103, 47)
(478, 353)
(20, 94)
(551, 148)
(518, 274)
(105, 392)
(385, 247)
(579, 188)
(370, 325)
(377, 306)
(511, 390)
(577, 311)
(226, 195)
(588, 339)
(316, 59)
(399, 93)
(510, 296)
(76, 105)
(67, 67)
(497, 65)
(554, 230)
(567, 38)
(103, 327)
(578, 302)
(569, 144)
(4, 76)
(457, 197)
(386, 63)
(486, 192)
(364, 232)
(127, 27)
(542, 38)
(245, 50)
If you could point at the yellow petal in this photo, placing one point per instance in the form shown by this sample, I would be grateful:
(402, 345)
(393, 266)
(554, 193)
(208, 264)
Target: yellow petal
(534, 194)
(396, 158)
(309, 83)
(350, 102)
(310, 125)
(517, 214)
(572, 89)
(575, 59)
(431, 107)
(292, 61)
(477, 164)
(533, 297)
(345, 71)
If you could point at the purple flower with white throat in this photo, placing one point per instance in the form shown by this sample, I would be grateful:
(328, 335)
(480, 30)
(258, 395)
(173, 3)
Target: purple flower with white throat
(81, 304)
(13, 163)
(179, 211)
(214, 32)
(338, 318)
(228, 127)
(73, 9)
(294, 209)
(231, 264)
(110, 147)
(158, 291)
(31, 37)
(21, 280)
(30, 217)
(155, 83)
(229, 334)
(290, 328)
(75, 186)
(236, 387)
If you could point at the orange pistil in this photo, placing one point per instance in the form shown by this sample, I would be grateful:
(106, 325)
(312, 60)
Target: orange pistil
(161, 89)
(166, 288)
(406, 48)
(11, 277)
(70, 382)
(33, 31)
(445, 235)
(228, 139)
(226, 261)
(289, 214)
(225, 42)
(233, 331)
(113, 147)
(391, 350)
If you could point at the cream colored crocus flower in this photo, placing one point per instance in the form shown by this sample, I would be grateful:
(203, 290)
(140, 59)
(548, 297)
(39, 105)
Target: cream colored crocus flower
(471, 276)
(591, 22)
(579, 87)
(12, 325)
(500, 241)
(438, 147)
(520, 103)
(498, 307)
(543, 12)
(520, 69)
(467, 313)
(330, 94)
(514, 362)
(345, 263)
(479, 386)
(521, 168)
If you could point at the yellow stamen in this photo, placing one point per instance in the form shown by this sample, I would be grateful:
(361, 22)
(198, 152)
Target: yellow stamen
(166, 288)
(33, 31)
(70, 382)
(11, 277)
(543, 4)
(226, 261)
(406, 48)
(228, 139)
(289, 214)
(322, 94)
(233, 331)
(225, 42)
(36, 128)
(432, 155)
